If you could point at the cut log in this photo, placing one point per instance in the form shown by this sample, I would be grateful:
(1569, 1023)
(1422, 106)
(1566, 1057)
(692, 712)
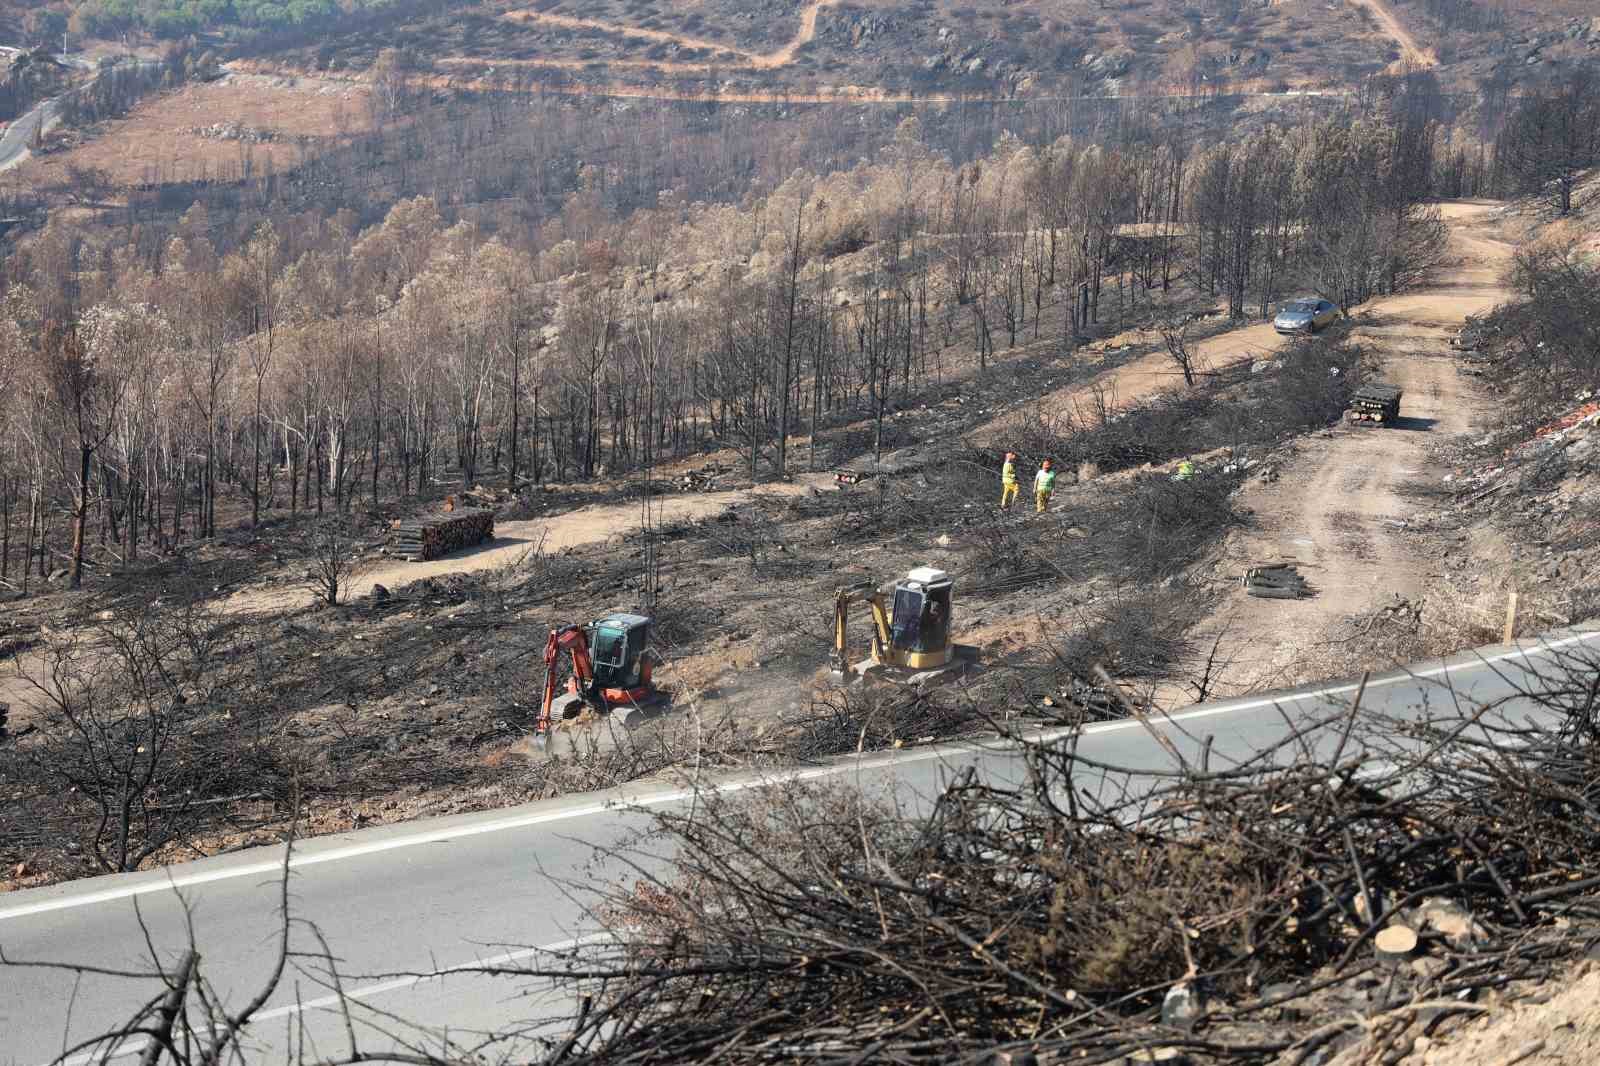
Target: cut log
(1275, 578)
(1158, 1056)
(1394, 943)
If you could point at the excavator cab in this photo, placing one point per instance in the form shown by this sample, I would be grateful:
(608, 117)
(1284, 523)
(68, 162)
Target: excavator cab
(617, 644)
(919, 622)
(911, 636)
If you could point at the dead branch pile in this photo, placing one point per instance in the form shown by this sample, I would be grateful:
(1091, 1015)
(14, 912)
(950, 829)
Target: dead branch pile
(1140, 632)
(1351, 883)
(873, 719)
(437, 536)
(1153, 528)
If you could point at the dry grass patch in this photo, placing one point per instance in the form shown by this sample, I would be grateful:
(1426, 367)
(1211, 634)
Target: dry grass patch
(158, 143)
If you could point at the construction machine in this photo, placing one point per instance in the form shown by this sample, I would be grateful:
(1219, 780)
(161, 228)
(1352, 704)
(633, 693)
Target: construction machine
(612, 666)
(911, 641)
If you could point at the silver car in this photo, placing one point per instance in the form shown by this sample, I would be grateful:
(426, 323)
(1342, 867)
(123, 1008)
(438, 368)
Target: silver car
(1305, 316)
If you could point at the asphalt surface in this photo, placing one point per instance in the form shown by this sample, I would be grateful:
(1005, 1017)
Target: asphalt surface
(19, 135)
(426, 897)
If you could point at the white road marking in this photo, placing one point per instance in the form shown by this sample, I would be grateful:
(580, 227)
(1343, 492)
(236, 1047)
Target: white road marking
(364, 992)
(869, 762)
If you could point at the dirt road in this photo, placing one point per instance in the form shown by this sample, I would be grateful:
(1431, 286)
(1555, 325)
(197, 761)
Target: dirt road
(587, 525)
(1337, 506)
(780, 57)
(1389, 22)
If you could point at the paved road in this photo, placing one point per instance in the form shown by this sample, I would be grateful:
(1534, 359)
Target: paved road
(429, 896)
(19, 135)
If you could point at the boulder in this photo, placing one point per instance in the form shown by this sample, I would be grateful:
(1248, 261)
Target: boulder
(1183, 1005)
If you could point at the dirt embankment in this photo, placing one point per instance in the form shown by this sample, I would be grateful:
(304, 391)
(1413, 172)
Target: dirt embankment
(1143, 377)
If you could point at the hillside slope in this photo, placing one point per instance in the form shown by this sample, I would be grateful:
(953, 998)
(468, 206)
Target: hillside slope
(873, 49)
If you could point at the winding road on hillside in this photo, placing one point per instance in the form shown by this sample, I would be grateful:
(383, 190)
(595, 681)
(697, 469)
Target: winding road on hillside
(20, 134)
(1410, 51)
(15, 142)
(779, 57)
(733, 58)
(406, 908)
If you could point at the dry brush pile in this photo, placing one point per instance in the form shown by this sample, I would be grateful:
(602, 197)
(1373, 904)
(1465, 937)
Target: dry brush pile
(1232, 913)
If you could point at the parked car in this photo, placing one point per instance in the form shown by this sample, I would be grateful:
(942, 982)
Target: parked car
(1305, 316)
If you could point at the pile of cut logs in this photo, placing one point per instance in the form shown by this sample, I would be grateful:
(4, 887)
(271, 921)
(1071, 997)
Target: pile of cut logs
(1275, 581)
(1375, 403)
(438, 535)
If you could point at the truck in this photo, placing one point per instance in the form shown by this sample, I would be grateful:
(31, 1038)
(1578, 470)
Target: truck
(1376, 402)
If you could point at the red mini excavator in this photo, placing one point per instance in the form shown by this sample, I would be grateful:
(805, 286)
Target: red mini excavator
(611, 668)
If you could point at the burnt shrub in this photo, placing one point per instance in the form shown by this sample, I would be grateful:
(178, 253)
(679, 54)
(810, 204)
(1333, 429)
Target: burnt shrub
(1155, 528)
(1305, 388)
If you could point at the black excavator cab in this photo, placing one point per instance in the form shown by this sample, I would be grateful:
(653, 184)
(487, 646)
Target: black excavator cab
(617, 646)
(919, 620)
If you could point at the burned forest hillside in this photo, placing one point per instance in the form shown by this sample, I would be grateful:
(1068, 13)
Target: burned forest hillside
(422, 408)
(235, 425)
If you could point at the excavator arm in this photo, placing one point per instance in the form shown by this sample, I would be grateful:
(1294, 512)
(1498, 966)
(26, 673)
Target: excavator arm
(848, 597)
(573, 640)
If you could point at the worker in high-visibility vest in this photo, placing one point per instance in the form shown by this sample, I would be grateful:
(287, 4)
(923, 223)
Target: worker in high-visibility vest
(1185, 471)
(1044, 483)
(1008, 480)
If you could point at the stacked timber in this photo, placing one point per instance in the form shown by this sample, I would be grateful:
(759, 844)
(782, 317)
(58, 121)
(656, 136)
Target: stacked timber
(439, 535)
(1275, 581)
(1375, 403)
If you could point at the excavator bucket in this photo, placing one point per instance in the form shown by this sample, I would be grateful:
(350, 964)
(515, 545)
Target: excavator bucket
(563, 708)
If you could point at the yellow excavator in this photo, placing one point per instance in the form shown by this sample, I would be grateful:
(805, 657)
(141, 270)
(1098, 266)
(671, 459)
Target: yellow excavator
(911, 643)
